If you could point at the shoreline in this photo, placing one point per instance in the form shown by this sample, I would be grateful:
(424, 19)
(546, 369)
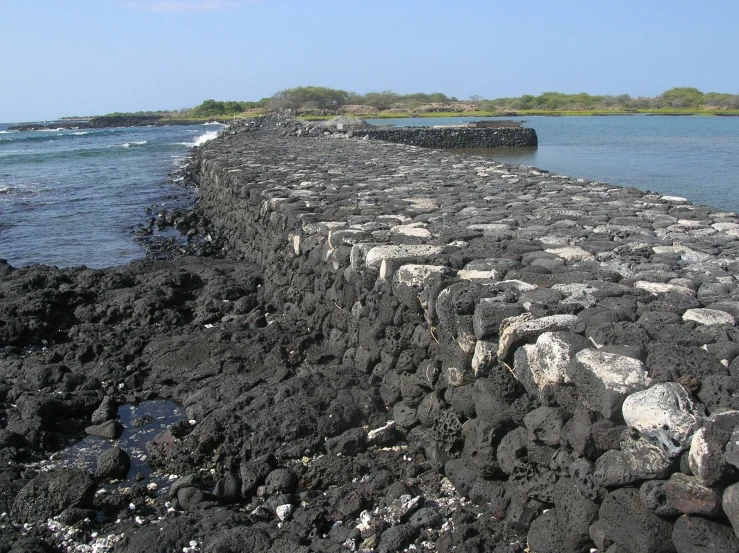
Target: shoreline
(138, 121)
(400, 332)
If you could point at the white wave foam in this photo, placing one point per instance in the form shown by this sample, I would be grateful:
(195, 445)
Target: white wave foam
(7, 132)
(128, 144)
(214, 123)
(80, 133)
(202, 139)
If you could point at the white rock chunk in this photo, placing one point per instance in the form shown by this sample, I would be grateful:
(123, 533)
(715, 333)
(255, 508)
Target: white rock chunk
(472, 274)
(515, 330)
(400, 253)
(545, 363)
(284, 512)
(666, 415)
(707, 459)
(422, 203)
(486, 354)
(709, 317)
(415, 275)
(729, 228)
(604, 379)
(571, 253)
(417, 230)
(675, 199)
(517, 285)
(658, 288)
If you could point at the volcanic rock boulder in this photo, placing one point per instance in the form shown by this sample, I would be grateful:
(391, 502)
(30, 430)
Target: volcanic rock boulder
(50, 493)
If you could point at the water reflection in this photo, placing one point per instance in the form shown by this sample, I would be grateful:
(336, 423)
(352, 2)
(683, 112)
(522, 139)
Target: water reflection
(141, 423)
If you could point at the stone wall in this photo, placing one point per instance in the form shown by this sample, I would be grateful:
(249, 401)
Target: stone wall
(564, 351)
(447, 138)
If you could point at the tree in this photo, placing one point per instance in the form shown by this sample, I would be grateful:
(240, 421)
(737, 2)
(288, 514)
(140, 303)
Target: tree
(381, 100)
(681, 97)
(316, 96)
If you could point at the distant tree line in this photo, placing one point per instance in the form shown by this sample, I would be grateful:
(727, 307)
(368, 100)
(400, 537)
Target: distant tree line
(213, 108)
(307, 98)
(318, 97)
(675, 98)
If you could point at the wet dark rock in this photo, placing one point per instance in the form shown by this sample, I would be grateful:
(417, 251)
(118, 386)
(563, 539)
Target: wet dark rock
(545, 425)
(106, 411)
(348, 443)
(189, 481)
(237, 539)
(699, 535)
(142, 420)
(730, 504)
(653, 494)
(51, 493)
(190, 498)
(668, 362)
(462, 473)
(74, 515)
(607, 435)
(396, 538)
(281, 480)
(627, 522)
(574, 514)
(113, 463)
(254, 472)
(718, 392)
(578, 432)
(512, 447)
(687, 495)
(110, 430)
(228, 488)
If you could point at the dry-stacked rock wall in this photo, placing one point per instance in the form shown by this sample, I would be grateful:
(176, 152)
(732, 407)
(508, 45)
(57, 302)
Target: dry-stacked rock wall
(565, 351)
(449, 138)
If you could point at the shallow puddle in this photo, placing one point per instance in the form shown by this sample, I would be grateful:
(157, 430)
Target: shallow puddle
(156, 416)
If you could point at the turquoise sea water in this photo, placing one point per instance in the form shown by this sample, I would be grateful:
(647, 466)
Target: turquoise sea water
(74, 197)
(693, 157)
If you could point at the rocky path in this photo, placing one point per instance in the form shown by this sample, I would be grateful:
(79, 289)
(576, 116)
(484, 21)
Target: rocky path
(403, 349)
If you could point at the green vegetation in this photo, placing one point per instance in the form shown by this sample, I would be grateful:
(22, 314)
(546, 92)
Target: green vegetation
(673, 99)
(313, 101)
(213, 108)
(317, 103)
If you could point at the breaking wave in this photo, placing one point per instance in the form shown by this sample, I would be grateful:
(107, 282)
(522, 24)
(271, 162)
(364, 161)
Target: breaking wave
(129, 144)
(202, 139)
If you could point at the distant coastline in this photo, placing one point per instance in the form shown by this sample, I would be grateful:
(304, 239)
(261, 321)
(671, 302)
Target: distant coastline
(316, 103)
(107, 121)
(163, 121)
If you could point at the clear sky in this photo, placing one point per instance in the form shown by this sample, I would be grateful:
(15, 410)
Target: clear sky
(90, 57)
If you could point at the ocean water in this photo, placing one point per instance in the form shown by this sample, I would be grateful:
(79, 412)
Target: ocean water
(74, 197)
(693, 157)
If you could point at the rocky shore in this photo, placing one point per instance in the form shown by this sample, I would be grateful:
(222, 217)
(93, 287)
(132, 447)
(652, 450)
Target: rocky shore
(387, 348)
(107, 121)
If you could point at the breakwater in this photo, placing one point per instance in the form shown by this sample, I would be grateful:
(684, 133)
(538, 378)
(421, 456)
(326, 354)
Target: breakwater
(451, 138)
(562, 350)
(392, 348)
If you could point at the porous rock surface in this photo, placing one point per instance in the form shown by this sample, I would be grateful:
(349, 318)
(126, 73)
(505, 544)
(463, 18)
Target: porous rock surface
(395, 348)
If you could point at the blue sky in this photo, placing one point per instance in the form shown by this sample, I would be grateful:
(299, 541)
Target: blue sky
(87, 57)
